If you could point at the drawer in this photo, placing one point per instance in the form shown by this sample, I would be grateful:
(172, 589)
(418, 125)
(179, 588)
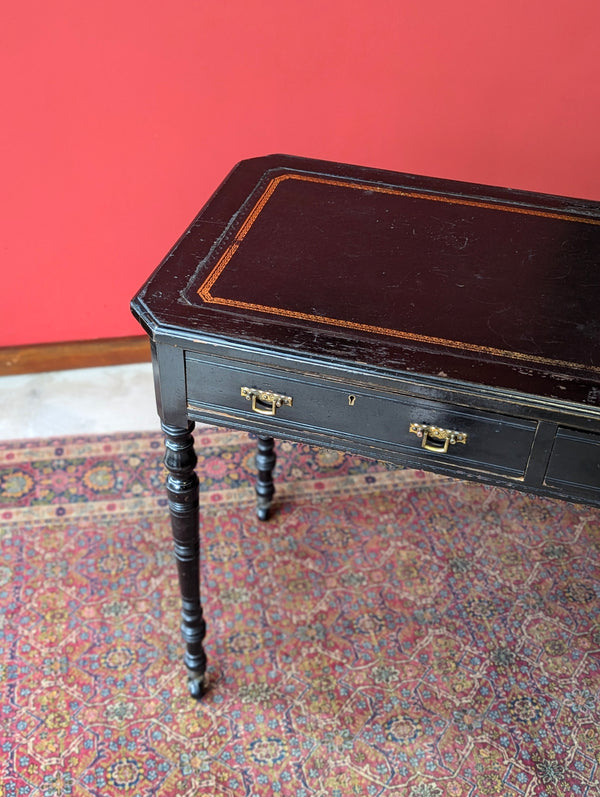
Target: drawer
(574, 462)
(373, 419)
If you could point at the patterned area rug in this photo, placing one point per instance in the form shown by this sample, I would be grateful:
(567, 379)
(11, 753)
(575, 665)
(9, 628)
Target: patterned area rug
(386, 633)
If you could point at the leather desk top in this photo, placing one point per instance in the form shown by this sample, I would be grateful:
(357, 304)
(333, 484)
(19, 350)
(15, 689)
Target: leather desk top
(490, 286)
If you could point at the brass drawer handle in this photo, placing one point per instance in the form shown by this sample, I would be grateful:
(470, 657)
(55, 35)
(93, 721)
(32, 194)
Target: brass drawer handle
(436, 439)
(272, 400)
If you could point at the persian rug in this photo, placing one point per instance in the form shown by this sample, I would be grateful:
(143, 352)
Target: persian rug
(386, 632)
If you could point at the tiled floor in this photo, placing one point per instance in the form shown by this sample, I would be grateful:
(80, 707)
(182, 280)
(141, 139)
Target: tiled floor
(93, 400)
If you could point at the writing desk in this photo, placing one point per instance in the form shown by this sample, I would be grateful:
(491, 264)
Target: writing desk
(434, 324)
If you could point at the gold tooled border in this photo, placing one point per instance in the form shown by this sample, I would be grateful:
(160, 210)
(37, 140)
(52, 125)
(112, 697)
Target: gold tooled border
(205, 289)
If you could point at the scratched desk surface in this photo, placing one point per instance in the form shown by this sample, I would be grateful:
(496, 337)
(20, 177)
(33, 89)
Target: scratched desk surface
(484, 284)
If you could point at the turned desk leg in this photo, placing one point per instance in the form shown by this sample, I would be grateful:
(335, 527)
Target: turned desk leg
(265, 463)
(182, 493)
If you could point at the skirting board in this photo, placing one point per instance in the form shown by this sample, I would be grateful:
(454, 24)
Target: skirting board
(73, 354)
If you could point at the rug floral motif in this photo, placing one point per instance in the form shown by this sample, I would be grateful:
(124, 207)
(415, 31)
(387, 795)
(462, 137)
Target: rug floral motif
(386, 632)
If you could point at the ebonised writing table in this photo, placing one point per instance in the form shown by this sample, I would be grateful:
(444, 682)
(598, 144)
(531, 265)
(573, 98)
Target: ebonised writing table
(434, 324)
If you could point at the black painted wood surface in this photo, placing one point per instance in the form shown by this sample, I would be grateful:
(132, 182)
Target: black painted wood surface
(182, 491)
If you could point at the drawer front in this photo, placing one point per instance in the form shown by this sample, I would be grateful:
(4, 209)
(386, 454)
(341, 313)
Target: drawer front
(380, 419)
(574, 462)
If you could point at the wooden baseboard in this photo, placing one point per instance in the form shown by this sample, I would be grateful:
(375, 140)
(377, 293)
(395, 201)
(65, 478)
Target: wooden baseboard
(73, 354)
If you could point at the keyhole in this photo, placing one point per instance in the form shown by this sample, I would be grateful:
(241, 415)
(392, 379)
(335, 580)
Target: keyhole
(351, 400)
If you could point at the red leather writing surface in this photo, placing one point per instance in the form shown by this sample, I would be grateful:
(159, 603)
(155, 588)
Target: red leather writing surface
(509, 280)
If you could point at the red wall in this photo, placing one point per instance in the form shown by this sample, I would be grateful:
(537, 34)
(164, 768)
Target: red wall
(121, 116)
